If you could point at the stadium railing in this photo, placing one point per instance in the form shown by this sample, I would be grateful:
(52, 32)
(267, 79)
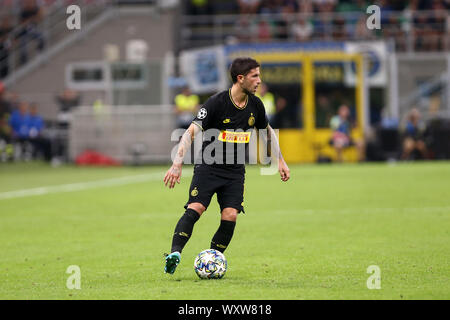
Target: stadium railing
(411, 31)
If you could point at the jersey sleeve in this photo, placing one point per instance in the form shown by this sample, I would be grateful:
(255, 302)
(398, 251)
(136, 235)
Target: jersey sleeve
(205, 116)
(261, 120)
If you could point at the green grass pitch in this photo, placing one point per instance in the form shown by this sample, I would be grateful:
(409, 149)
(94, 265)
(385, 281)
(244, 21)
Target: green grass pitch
(310, 238)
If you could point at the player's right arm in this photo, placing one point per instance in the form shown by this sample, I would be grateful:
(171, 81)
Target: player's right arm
(173, 175)
(202, 122)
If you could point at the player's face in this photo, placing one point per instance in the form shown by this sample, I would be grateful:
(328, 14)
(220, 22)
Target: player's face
(251, 81)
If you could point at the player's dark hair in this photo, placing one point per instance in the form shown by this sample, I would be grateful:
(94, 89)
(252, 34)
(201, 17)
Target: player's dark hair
(242, 66)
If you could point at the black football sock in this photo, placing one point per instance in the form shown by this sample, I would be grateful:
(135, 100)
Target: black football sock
(223, 236)
(183, 230)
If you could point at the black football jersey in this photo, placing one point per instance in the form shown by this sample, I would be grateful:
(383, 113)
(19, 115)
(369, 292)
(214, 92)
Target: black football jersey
(227, 129)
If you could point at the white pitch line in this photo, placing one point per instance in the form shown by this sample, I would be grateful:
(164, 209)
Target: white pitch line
(80, 186)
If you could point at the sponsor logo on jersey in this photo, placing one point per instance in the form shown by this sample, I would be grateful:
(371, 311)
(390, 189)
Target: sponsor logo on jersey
(234, 137)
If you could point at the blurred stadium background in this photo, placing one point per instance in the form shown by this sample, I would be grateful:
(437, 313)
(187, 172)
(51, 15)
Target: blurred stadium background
(111, 93)
(111, 86)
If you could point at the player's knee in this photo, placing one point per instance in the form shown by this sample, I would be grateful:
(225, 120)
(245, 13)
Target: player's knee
(197, 207)
(229, 214)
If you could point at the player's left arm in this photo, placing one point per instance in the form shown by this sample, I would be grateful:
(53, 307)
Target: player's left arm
(283, 168)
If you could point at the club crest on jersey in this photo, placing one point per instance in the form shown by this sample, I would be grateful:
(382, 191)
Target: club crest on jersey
(202, 113)
(251, 120)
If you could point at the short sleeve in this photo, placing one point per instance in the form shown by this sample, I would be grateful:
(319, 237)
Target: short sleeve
(205, 116)
(261, 120)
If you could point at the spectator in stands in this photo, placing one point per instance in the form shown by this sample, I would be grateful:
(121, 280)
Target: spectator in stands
(302, 29)
(352, 6)
(428, 27)
(13, 99)
(244, 29)
(5, 44)
(271, 7)
(31, 15)
(199, 7)
(35, 123)
(5, 105)
(264, 31)
(186, 107)
(6, 149)
(393, 30)
(282, 117)
(305, 6)
(360, 31)
(438, 21)
(341, 136)
(292, 4)
(41, 145)
(354, 15)
(324, 5)
(5, 113)
(67, 101)
(248, 6)
(268, 100)
(323, 19)
(422, 32)
(339, 28)
(413, 136)
(19, 122)
(386, 10)
(324, 111)
(282, 21)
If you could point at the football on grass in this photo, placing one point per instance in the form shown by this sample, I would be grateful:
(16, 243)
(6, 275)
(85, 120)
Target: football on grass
(210, 264)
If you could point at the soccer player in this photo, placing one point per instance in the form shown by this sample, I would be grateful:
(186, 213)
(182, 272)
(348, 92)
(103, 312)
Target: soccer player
(229, 115)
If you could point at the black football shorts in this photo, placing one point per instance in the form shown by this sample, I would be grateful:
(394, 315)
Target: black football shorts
(208, 180)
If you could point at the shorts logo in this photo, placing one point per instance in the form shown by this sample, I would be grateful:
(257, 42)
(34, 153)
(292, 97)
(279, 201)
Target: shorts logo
(194, 192)
(234, 137)
(183, 234)
(226, 121)
(251, 120)
(202, 114)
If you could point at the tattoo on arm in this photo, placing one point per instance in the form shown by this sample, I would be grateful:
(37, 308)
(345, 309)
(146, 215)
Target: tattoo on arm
(185, 144)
